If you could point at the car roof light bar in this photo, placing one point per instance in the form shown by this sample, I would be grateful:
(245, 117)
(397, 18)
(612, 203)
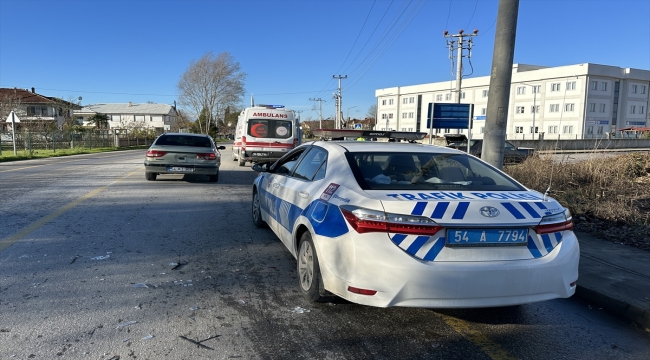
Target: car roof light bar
(343, 133)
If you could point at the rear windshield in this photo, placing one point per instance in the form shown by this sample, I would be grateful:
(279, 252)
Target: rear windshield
(428, 170)
(184, 140)
(273, 129)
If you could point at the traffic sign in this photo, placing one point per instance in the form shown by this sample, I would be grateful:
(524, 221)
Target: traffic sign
(357, 126)
(12, 117)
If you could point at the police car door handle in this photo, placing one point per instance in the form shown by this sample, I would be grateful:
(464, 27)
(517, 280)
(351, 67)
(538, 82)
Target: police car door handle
(303, 194)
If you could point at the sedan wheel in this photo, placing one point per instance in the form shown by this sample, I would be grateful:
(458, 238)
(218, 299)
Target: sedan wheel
(257, 211)
(309, 276)
(150, 176)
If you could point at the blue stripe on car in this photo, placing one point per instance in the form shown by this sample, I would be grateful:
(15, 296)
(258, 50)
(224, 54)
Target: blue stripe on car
(461, 209)
(440, 210)
(540, 205)
(398, 238)
(419, 208)
(435, 250)
(533, 248)
(513, 211)
(530, 210)
(417, 244)
(547, 242)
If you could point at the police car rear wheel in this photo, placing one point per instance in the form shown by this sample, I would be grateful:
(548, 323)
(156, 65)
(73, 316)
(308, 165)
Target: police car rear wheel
(257, 214)
(309, 277)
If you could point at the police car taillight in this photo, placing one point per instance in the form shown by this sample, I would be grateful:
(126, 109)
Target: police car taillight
(155, 153)
(555, 222)
(207, 156)
(366, 220)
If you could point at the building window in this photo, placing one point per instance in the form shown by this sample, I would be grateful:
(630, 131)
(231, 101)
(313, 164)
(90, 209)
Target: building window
(390, 101)
(462, 95)
(600, 130)
(593, 85)
(390, 116)
(405, 100)
(37, 111)
(520, 109)
(482, 129)
(411, 100)
(534, 109)
(485, 93)
(537, 89)
(384, 116)
(555, 87)
(447, 96)
(569, 107)
(552, 129)
(554, 108)
(383, 102)
(603, 86)
(411, 115)
(632, 109)
(592, 107)
(403, 115)
(642, 89)
(602, 108)
(641, 110)
(634, 88)
(571, 85)
(521, 90)
(439, 97)
(567, 129)
(519, 129)
(533, 130)
(590, 130)
(483, 111)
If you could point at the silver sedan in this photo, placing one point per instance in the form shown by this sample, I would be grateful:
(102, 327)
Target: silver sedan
(183, 153)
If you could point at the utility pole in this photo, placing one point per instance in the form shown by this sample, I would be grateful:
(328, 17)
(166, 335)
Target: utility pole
(338, 96)
(496, 121)
(458, 46)
(320, 111)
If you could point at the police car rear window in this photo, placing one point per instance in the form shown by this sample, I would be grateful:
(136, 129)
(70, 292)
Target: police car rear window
(413, 171)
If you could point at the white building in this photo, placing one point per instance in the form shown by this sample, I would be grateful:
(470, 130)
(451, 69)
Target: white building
(159, 117)
(580, 101)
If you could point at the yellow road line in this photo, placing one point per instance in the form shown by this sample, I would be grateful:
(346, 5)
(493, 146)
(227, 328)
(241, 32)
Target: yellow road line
(7, 242)
(489, 347)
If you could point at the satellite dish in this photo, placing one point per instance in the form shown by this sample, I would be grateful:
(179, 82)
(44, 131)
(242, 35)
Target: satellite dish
(79, 98)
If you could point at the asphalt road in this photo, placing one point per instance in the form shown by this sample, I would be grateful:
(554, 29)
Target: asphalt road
(88, 254)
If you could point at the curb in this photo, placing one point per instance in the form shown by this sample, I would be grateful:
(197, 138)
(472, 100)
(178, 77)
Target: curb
(618, 307)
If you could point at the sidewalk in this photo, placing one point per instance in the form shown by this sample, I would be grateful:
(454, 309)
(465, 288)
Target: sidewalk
(615, 277)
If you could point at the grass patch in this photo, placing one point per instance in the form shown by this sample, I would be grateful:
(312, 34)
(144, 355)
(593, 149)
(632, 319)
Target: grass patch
(609, 197)
(8, 155)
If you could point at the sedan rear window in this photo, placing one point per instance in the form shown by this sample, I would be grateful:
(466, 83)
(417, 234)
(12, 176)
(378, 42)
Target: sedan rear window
(413, 171)
(182, 140)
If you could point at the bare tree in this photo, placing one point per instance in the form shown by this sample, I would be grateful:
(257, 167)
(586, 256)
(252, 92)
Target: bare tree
(212, 83)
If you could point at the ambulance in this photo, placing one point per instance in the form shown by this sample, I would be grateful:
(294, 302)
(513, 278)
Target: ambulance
(265, 133)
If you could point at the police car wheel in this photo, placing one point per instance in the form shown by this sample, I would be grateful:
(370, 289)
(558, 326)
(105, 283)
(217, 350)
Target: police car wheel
(309, 277)
(257, 211)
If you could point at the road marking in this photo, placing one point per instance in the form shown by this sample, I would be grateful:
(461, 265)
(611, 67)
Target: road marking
(466, 329)
(8, 241)
(61, 162)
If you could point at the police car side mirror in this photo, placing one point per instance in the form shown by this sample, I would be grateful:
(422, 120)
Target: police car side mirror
(261, 167)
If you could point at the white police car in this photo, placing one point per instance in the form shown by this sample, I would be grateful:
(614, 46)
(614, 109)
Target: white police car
(400, 224)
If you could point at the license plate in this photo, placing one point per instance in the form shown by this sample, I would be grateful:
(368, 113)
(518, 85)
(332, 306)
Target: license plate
(478, 237)
(260, 154)
(179, 169)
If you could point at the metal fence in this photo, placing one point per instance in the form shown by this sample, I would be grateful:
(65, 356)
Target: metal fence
(52, 140)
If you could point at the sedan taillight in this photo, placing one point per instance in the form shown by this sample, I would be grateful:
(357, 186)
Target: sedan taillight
(365, 220)
(556, 222)
(207, 156)
(155, 153)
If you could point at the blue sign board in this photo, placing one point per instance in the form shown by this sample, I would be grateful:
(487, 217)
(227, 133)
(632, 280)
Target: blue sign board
(357, 126)
(449, 116)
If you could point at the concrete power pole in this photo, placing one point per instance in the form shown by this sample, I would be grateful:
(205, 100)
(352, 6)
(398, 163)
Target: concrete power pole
(458, 46)
(500, 81)
(339, 100)
(320, 111)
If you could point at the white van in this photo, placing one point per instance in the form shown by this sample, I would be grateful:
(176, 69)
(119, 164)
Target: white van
(265, 133)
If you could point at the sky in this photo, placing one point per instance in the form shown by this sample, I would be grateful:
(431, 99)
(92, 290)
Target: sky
(116, 51)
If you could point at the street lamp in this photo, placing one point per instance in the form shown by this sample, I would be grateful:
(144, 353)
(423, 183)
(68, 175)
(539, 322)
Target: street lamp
(348, 112)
